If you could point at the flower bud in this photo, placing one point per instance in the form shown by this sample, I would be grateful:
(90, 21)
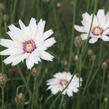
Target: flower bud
(3, 79)
(5, 17)
(58, 5)
(93, 57)
(65, 63)
(78, 41)
(2, 7)
(76, 58)
(107, 76)
(104, 66)
(105, 99)
(35, 72)
(90, 52)
(13, 71)
(19, 99)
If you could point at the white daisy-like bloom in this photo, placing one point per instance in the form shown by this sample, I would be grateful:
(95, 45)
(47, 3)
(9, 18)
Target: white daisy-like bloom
(100, 27)
(61, 80)
(27, 42)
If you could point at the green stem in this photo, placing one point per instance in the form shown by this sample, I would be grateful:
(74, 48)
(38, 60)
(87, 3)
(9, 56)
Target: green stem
(101, 92)
(25, 83)
(83, 51)
(99, 65)
(88, 4)
(2, 64)
(61, 103)
(2, 97)
(71, 43)
(89, 75)
(17, 106)
(37, 8)
(13, 11)
(34, 97)
(50, 96)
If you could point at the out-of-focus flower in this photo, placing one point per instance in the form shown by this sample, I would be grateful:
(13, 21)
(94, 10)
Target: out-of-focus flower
(104, 65)
(29, 42)
(19, 99)
(100, 27)
(2, 6)
(61, 80)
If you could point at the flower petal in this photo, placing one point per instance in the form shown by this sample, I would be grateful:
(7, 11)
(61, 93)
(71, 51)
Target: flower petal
(105, 38)
(84, 36)
(47, 34)
(6, 42)
(46, 56)
(93, 40)
(9, 60)
(33, 27)
(49, 42)
(40, 30)
(11, 51)
(18, 58)
(30, 62)
(79, 28)
(101, 17)
(86, 20)
(22, 26)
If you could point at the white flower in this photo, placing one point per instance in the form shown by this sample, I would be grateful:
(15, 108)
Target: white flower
(100, 27)
(27, 42)
(61, 80)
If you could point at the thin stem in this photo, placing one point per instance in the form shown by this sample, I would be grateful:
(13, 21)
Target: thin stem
(17, 106)
(50, 96)
(99, 65)
(83, 51)
(89, 75)
(37, 7)
(25, 83)
(34, 91)
(2, 64)
(71, 43)
(88, 4)
(101, 92)
(61, 103)
(2, 97)
(13, 11)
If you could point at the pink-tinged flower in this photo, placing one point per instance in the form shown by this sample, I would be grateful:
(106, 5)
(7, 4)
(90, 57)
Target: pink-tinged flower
(27, 42)
(100, 27)
(61, 80)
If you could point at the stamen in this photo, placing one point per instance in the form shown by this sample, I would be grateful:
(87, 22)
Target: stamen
(97, 30)
(63, 82)
(29, 46)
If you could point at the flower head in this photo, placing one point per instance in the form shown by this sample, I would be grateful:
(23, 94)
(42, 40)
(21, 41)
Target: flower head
(99, 29)
(27, 42)
(61, 80)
